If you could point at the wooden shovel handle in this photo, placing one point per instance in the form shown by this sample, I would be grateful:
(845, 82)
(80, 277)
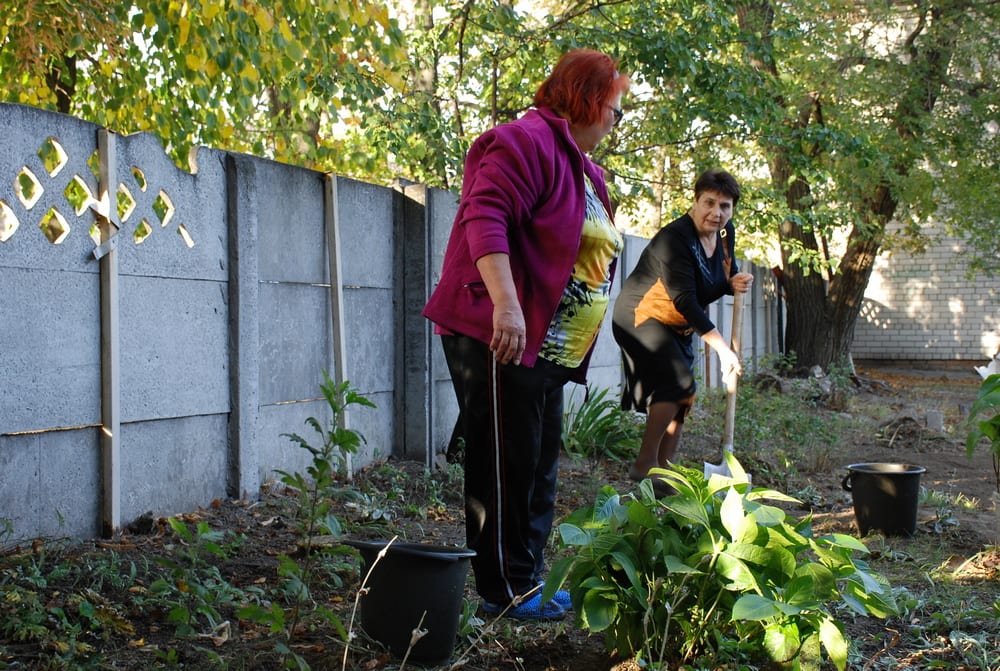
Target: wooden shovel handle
(736, 341)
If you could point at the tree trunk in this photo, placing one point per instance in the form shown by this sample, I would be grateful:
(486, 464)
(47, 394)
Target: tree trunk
(61, 78)
(809, 329)
(822, 315)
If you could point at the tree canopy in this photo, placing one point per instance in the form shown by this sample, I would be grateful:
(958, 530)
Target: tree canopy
(845, 120)
(279, 78)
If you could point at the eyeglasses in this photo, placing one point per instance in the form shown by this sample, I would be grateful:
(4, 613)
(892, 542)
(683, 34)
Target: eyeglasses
(618, 114)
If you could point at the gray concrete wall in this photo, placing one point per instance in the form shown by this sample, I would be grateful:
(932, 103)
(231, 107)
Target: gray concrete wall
(50, 363)
(227, 315)
(224, 330)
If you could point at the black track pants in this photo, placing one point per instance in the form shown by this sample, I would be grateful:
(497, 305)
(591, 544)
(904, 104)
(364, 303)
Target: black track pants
(511, 420)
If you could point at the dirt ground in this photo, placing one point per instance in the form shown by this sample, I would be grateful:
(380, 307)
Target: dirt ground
(931, 404)
(920, 417)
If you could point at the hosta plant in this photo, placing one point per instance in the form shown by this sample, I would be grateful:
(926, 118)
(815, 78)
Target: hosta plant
(984, 421)
(712, 570)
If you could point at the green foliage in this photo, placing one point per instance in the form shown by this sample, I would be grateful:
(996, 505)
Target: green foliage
(598, 429)
(43, 40)
(984, 421)
(838, 118)
(715, 567)
(62, 626)
(778, 435)
(193, 590)
(780, 363)
(315, 489)
(269, 77)
(434, 493)
(93, 608)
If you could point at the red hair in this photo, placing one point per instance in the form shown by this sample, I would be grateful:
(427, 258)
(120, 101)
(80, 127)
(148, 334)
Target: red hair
(580, 86)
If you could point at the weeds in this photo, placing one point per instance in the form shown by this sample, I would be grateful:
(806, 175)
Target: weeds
(984, 422)
(194, 590)
(56, 630)
(777, 436)
(93, 606)
(316, 489)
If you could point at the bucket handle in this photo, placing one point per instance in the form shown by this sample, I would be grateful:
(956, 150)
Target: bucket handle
(846, 482)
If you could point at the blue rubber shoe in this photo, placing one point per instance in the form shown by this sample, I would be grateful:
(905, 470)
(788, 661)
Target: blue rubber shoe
(561, 598)
(530, 609)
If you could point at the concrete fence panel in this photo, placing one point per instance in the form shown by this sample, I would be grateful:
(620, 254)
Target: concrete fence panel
(162, 365)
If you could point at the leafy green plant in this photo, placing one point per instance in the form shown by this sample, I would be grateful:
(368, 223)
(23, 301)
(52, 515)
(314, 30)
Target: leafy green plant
(194, 589)
(315, 489)
(61, 628)
(778, 435)
(984, 421)
(598, 428)
(710, 570)
(781, 364)
(976, 649)
(59, 637)
(390, 493)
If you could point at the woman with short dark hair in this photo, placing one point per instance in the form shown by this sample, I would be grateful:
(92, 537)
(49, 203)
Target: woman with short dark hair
(689, 264)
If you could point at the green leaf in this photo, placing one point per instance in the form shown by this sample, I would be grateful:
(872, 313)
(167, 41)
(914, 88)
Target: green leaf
(754, 607)
(781, 559)
(821, 577)
(733, 516)
(641, 516)
(870, 584)
(832, 637)
(573, 535)
(767, 516)
(600, 609)
(772, 495)
(984, 420)
(763, 557)
(879, 601)
(559, 572)
(627, 564)
(781, 641)
(851, 600)
(606, 504)
(844, 541)
(803, 591)
(675, 565)
(734, 570)
(735, 468)
(688, 508)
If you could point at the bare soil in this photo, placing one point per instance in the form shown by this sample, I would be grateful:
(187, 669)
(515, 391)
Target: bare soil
(917, 417)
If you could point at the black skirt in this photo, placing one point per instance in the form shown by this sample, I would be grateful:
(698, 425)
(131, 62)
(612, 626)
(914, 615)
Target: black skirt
(658, 364)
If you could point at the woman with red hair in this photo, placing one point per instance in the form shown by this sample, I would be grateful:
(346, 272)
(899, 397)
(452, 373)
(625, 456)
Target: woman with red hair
(524, 288)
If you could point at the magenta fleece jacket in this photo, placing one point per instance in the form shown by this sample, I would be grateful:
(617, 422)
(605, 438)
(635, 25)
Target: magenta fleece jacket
(523, 195)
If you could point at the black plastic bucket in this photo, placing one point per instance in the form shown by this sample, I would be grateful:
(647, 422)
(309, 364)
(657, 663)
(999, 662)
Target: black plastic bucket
(412, 581)
(885, 497)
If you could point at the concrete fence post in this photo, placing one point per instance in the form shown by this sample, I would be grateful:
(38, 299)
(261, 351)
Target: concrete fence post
(111, 505)
(331, 224)
(414, 428)
(242, 212)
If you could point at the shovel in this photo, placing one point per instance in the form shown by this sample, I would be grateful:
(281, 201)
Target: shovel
(727, 446)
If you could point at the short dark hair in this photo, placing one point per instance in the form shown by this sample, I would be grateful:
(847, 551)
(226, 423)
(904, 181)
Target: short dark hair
(582, 82)
(717, 179)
